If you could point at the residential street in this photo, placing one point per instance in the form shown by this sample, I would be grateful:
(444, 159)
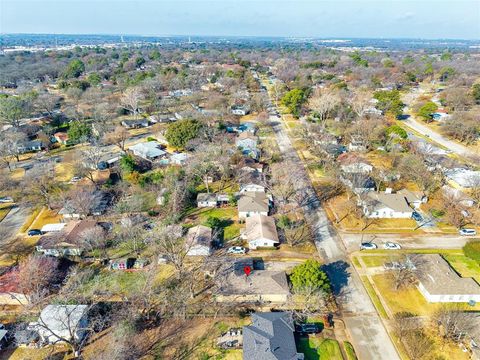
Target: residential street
(11, 224)
(407, 241)
(409, 99)
(368, 335)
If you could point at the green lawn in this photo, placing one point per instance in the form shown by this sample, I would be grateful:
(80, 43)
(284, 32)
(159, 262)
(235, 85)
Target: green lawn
(228, 214)
(465, 266)
(320, 349)
(349, 350)
(375, 261)
(374, 297)
(114, 282)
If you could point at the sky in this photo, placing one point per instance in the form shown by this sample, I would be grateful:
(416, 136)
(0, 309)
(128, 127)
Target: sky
(427, 19)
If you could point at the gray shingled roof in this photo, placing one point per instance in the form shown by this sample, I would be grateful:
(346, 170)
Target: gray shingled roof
(270, 337)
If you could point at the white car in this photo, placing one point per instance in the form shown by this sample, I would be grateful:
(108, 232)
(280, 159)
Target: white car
(236, 250)
(368, 246)
(391, 246)
(467, 232)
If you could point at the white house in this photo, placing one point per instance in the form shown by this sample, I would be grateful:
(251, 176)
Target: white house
(439, 283)
(240, 110)
(385, 205)
(151, 150)
(252, 203)
(463, 177)
(59, 323)
(414, 198)
(178, 158)
(251, 187)
(206, 200)
(199, 241)
(260, 231)
(246, 141)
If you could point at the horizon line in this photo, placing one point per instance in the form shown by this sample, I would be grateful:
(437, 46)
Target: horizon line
(244, 36)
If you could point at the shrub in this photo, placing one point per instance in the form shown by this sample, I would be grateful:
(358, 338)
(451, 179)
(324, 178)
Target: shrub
(310, 275)
(472, 250)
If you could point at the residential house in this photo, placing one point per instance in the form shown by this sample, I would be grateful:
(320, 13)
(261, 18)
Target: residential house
(252, 182)
(249, 165)
(270, 337)
(180, 92)
(67, 242)
(359, 183)
(58, 323)
(239, 110)
(439, 283)
(386, 205)
(246, 141)
(440, 115)
(199, 241)
(178, 158)
(356, 144)
(252, 203)
(30, 146)
(62, 138)
(206, 200)
(135, 124)
(99, 203)
(260, 231)
(334, 150)
(353, 163)
(414, 198)
(244, 127)
(151, 150)
(162, 118)
(465, 178)
(458, 195)
(258, 286)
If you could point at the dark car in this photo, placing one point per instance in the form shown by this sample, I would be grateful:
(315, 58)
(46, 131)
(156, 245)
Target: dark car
(305, 329)
(416, 216)
(34, 232)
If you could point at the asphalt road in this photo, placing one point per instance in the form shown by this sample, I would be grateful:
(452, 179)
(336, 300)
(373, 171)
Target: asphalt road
(11, 224)
(407, 241)
(367, 332)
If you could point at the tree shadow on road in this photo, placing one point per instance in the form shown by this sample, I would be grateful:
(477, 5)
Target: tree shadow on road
(338, 274)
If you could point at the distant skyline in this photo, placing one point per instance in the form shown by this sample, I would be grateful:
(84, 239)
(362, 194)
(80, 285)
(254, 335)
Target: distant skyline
(427, 19)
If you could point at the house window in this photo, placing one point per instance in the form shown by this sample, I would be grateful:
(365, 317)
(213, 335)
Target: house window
(122, 266)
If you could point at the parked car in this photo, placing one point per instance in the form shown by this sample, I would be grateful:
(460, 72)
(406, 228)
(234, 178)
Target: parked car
(305, 329)
(368, 246)
(236, 250)
(75, 179)
(6, 199)
(416, 216)
(468, 232)
(34, 232)
(391, 246)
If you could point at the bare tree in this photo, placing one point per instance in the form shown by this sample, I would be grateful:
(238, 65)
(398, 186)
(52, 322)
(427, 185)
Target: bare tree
(47, 102)
(36, 276)
(454, 322)
(86, 162)
(93, 238)
(169, 242)
(323, 102)
(417, 344)
(131, 99)
(118, 137)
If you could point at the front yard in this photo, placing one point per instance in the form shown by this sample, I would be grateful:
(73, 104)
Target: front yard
(316, 348)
